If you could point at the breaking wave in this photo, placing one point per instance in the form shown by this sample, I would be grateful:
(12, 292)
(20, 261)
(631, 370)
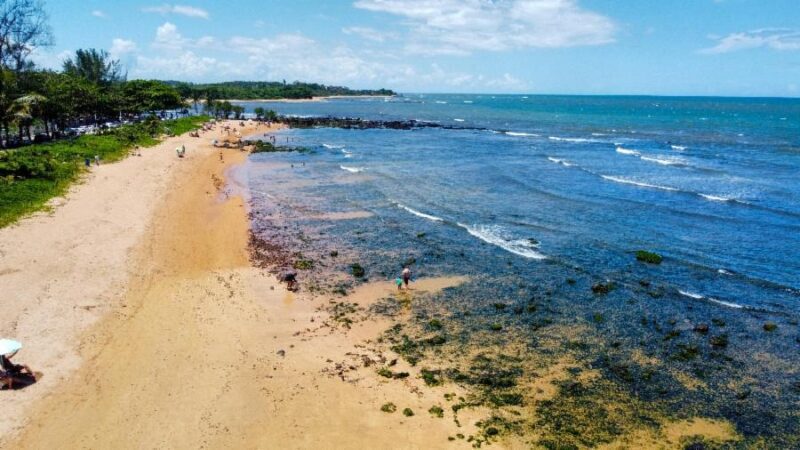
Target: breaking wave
(495, 235)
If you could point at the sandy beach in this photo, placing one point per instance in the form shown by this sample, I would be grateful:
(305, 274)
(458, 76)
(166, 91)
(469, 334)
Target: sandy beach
(136, 299)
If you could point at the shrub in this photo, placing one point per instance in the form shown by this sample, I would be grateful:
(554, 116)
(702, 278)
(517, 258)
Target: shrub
(436, 411)
(389, 407)
(408, 412)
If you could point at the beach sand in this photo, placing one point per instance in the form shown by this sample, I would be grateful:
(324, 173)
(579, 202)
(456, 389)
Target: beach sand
(136, 299)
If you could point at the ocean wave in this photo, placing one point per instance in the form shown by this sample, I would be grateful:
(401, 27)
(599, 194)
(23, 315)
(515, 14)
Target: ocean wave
(626, 151)
(495, 235)
(638, 183)
(715, 198)
(724, 303)
(352, 169)
(599, 134)
(467, 101)
(679, 148)
(347, 154)
(332, 146)
(560, 161)
(691, 295)
(420, 214)
(575, 140)
(724, 272)
(710, 299)
(458, 120)
(521, 134)
(663, 161)
(440, 102)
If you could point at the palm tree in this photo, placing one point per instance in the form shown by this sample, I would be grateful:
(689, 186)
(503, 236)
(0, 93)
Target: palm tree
(24, 110)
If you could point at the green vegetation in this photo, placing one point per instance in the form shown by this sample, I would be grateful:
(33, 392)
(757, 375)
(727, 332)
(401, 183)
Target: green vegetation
(648, 257)
(408, 412)
(31, 176)
(436, 411)
(303, 264)
(256, 90)
(357, 270)
(389, 407)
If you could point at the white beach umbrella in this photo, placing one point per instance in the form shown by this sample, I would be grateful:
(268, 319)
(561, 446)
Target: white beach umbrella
(9, 346)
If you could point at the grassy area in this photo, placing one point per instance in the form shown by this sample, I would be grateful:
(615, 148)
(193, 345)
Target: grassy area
(31, 176)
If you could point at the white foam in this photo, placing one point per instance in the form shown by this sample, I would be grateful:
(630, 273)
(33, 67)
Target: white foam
(715, 198)
(663, 161)
(467, 101)
(637, 183)
(599, 134)
(352, 169)
(626, 151)
(577, 140)
(521, 134)
(679, 148)
(560, 161)
(724, 303)
(420, 214)
(459, 120)
(691, 294)
(440, 102)
(495, 235)
(331, 146)
(724, 272)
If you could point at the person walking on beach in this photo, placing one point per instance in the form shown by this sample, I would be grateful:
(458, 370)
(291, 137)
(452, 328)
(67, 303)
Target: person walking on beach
(406, 276)
(96, 160)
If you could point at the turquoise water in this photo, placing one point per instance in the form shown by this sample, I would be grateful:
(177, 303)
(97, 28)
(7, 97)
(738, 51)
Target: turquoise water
(711, 184)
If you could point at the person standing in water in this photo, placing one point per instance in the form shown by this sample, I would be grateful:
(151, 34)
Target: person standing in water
(406, 276)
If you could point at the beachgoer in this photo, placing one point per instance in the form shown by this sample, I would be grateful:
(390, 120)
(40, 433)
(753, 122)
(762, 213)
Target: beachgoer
(406, 276)
(96, 160)
(399, 282)
(88, 162)
(13, 372)
(290, 278)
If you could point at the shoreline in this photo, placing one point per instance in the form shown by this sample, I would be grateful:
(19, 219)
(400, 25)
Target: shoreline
(205, 349)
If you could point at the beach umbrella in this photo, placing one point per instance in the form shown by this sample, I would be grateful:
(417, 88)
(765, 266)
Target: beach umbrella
(9, 346)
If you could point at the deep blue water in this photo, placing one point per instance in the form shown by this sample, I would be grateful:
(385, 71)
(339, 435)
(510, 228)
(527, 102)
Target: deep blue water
(561, 183)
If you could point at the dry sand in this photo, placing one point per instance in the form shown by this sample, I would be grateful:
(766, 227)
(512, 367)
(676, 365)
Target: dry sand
(137, 301)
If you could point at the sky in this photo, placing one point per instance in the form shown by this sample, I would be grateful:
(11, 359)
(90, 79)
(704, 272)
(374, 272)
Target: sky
(635, 47)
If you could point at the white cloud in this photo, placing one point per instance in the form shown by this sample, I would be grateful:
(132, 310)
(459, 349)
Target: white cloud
(773, 38)
(121, 47)
(463, 26)
(98, 13)
(369, 34)
(169, 38)
(188, 11)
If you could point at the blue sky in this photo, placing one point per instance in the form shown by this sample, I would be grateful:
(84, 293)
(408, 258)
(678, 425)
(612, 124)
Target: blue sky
(660, 47)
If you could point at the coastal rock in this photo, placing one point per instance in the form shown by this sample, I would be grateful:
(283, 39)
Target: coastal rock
(701, 328)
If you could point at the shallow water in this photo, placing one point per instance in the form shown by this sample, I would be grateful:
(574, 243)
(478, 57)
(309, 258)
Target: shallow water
(556, 194)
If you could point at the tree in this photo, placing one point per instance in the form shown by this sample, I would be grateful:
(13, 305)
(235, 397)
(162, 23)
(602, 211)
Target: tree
(149, 96)
(24, 109)
(259, 112)
(94, 65)
(23, 28)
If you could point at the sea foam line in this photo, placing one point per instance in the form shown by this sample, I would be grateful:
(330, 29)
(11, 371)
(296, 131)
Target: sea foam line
(493, 234)
(419, 213)
(352, 169)
(637, 183)
(710, 299)
(332, 146)
(560, 161)
(679, 148)
(625, 151)
(663, 161)
(521, 134)
(576, 140)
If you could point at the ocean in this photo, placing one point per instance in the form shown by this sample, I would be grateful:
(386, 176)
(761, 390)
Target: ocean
(539, 198)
